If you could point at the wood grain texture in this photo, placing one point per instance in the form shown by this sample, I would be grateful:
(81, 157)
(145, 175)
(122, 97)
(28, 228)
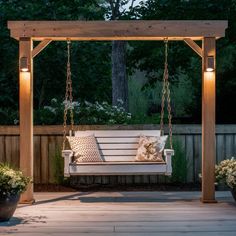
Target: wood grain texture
(229, 146)
(117, 30)
(194, 46)
(122, 214)
(177, 129)
(44, 160)
(40, 47)
(117, 133)
(51, 158)
(37, 159)
(15, 151)
(190, 160)
(234, 146)
(117, 146)
(220, 147)
(2, 149)
(8, 149)
(208, 123)
(26, 116)
(119, 168)
(197, 157)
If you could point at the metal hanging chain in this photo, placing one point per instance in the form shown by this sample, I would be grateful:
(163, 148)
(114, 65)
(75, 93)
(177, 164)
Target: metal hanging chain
(166, 95)
(70, 89)
(165, 74)
(68, 97)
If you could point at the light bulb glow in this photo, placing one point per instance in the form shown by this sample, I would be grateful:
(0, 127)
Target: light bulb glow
(209, 69)
(24, 64)
(24, 69)
(210, 64)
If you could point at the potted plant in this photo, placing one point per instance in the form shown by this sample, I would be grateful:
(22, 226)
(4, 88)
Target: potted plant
(226, 173)
(12, 184)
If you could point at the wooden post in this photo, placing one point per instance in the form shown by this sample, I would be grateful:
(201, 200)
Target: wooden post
(26, 117)
(208, 124)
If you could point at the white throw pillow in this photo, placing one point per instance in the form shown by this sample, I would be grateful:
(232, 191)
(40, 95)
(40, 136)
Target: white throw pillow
(151, 148)
(85, 149)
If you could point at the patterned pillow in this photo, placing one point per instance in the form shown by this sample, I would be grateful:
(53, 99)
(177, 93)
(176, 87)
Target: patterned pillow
(85, 149)
(150, 148)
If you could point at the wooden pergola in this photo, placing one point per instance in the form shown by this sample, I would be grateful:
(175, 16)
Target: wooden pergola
(188, 31)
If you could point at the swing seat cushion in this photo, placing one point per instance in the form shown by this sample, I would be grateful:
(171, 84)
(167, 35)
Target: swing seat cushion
(85, 149)
(151, 148)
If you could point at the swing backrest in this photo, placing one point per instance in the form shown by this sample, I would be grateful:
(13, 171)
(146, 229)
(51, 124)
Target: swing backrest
(118, 145)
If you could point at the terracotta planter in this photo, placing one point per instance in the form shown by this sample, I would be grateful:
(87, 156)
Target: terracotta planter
(233, 191)
(8, 206)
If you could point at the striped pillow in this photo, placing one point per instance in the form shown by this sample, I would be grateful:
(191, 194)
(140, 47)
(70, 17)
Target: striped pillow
(85, 149)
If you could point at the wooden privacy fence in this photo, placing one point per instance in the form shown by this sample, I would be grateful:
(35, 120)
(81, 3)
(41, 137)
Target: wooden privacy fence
(48, 141)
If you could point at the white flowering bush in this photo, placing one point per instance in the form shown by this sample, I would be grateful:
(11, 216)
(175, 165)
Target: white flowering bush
(84, 113)
(12, 181)
(102, 113)
(226, 172)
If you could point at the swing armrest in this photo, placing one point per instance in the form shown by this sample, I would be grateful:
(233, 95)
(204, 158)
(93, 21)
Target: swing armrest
(67, 155)
(168, 153)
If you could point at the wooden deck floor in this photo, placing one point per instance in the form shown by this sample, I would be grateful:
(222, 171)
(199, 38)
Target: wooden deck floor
(123, 213)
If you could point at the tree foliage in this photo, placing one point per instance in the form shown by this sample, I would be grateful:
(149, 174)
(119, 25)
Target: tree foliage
(91, 61)
(148, 56)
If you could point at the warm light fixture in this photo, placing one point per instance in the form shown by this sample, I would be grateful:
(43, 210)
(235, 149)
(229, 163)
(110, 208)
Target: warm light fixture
(24, 65)
(210, 64)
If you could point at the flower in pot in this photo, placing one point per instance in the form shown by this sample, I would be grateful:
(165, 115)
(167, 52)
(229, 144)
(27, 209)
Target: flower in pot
(226, 172)
(12, 184)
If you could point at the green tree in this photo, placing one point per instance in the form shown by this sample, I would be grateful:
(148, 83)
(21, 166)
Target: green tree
(148, 56)
(90, 60)
(117, 10)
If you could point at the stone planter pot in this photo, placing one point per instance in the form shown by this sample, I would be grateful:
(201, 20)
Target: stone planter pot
(233, 191)
(8, 206)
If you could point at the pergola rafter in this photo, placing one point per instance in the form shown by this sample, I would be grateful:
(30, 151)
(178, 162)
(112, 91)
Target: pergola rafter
(188, 31)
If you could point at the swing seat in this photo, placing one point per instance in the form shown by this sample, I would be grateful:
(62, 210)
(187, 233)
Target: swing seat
(118, 149)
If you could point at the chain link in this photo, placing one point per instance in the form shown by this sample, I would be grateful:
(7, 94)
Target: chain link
(68, 97)
(166, 95)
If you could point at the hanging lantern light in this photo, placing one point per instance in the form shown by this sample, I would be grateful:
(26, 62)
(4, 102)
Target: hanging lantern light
(210, 64)
(24, 64)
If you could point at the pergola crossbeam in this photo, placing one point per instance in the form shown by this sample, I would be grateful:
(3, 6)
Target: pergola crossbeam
(117, 30)
(40, 47)
(194, 46)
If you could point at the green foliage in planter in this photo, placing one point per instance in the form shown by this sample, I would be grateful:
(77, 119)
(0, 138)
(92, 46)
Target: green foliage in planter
(226, 172)
(12, 181)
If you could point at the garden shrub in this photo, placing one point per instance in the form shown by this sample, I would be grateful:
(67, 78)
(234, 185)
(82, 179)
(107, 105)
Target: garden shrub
(84, 113)
(179, 163)
(58, 167)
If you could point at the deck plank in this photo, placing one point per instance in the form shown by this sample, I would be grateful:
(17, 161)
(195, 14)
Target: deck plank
(123, 213)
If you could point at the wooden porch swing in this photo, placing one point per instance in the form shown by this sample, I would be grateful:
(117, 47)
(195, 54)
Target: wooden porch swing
(188, 31)
(117, 147)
